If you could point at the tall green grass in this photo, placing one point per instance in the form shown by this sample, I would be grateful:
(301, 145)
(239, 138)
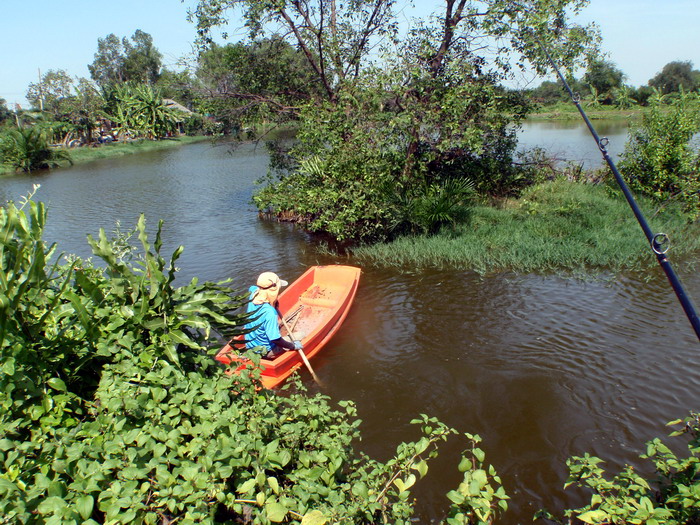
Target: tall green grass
(120, 149)
(568, 111)
(554, 227)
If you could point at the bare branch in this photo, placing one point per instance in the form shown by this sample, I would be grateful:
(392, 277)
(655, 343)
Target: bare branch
(450, 23)
(307, 52)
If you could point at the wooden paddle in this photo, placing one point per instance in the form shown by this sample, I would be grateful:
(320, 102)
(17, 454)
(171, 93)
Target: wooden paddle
(298, 311)
(301, 352)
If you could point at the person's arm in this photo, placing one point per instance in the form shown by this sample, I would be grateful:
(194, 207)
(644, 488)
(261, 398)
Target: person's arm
(282, 342)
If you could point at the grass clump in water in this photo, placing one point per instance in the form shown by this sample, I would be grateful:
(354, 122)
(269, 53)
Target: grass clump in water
(556, 226)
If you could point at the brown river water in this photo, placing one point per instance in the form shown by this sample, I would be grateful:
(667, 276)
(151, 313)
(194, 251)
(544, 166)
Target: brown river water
(542, 367)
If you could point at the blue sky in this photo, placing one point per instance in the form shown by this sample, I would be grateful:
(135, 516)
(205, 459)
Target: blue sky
(641, 36)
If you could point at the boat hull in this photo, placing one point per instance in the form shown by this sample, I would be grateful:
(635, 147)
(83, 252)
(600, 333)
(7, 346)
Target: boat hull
(314, 306)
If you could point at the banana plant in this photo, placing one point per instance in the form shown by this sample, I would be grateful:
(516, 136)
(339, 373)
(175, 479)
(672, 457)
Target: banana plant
(140, 111)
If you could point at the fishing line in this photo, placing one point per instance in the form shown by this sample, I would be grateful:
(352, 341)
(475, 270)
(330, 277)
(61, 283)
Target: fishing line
(659, 242)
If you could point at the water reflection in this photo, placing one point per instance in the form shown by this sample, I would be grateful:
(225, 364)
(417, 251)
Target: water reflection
(542, 367)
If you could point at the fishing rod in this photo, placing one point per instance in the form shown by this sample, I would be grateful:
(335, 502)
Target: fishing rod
(659, 242)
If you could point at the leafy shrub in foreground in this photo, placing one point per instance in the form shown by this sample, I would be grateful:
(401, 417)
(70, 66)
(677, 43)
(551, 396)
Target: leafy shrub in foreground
(673, 498)
(112, 411)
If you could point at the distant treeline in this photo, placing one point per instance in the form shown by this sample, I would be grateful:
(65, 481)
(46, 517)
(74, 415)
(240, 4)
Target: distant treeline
(603, 84)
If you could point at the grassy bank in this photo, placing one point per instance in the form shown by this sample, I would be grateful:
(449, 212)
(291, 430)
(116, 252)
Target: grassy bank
(568, 111)
(554, 227)
(117, 149)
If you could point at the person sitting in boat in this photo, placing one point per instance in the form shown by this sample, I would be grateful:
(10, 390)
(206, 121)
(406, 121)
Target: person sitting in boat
(265, 337)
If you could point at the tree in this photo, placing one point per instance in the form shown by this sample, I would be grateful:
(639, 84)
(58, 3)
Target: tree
(178, 85)
(674, 75)
(50, 91)
(266, 79)
(605, 78)
(624, 97)
(117, 61)
(642, 94)
(5, 113)
(142, 61)
(548, 92)
(108, 66)
(83, 110)
(398, 117)
(74, 107)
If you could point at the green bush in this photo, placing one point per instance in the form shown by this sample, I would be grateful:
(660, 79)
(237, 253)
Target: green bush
(27, 149)
(659, 159)
(194, 125)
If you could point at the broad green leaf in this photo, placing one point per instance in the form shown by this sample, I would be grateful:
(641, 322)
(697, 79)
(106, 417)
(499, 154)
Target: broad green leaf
(6, 487)
(479, 476)
(275, 511)
(57, 384)
(593, 516)
(465, 465)
(360, 490)
(179, 337)
(455, 497)
(171, 353)
(315, 517)
(421, 467)
(8, 367)
(245, 487)
(84, 506)
(51, 505)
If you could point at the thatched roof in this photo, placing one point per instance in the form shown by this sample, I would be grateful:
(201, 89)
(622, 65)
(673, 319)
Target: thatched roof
(174, 105)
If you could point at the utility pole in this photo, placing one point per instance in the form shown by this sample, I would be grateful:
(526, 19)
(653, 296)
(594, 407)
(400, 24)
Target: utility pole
(41, 93)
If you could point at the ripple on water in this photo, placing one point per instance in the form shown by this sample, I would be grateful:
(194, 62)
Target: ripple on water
(542, 367)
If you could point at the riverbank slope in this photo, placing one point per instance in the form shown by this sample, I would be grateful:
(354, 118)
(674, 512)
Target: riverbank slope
(554, 227)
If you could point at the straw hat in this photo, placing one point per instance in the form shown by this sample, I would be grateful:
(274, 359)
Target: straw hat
(267, 280)
(269, 285)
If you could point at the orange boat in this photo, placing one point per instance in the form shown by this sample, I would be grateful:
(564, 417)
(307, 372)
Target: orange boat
(314, 306)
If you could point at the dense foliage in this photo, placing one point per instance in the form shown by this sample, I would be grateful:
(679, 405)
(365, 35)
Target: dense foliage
(603, 84)
(250, 83)
(48, 93)
(27, 150)
(113, 411)
(603, 78)
(5, 113)
(676, 76)
(660, 159)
